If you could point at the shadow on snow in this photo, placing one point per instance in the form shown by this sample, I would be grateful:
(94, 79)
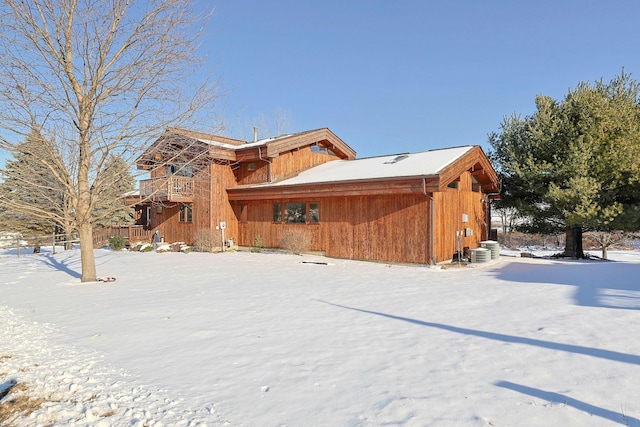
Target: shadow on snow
(605, 284)
(549, 396)
(616, 417)
(569, 348)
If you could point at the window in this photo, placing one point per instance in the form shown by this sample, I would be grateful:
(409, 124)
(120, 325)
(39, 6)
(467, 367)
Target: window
(180, 169)
(321, 149)
(186, 213)
(277, 212)
(295, 213)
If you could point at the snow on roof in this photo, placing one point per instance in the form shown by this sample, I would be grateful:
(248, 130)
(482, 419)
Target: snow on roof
(257, 143)
(425, 163)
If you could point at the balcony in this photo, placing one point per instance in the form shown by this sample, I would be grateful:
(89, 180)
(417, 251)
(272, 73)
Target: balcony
(170, 189)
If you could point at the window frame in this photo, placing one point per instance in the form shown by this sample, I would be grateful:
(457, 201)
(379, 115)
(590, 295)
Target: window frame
(185, 214)
(310, 215)
(278, 210)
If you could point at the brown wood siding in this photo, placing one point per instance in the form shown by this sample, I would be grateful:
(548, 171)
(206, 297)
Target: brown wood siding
(293, 162)
(220, 209)
(210, 207)
(449, 206)
(167, 222)
(385, 228)
(286, 165)
(257, 176)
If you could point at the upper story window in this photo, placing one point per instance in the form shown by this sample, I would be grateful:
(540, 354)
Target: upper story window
(180, 169)
(321, 149)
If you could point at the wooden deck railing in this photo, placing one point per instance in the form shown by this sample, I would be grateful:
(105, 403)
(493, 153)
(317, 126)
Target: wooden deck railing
(133, 233)
(174, 188)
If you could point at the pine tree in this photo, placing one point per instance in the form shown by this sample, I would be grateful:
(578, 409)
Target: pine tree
(26, 182)
(574, 164)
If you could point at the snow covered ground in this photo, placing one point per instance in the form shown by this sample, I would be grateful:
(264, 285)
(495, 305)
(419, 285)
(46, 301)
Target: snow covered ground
(245, 339)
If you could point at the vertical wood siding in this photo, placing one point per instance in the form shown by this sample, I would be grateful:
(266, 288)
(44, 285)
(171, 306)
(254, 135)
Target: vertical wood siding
(449, 206)
(385, 228)
(210, 206)
(284, 166)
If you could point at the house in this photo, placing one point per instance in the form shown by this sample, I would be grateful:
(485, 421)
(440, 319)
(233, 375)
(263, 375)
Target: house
(413, 208)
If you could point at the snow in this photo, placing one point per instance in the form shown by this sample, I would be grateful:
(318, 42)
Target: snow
(264, 339)
(426, 163)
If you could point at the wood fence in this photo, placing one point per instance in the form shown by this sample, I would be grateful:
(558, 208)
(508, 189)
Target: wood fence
(133, 233)
(17, 241)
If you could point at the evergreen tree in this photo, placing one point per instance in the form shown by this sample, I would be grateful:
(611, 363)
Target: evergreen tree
(574, 164)
(118, 180)
(27, 182)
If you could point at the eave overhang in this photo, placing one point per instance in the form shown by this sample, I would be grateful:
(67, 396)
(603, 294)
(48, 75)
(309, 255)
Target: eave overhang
(386, 186)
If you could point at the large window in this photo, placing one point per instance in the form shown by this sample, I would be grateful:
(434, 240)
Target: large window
(296, 213)
(186, 213)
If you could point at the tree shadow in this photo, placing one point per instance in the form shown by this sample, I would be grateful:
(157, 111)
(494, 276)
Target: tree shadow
(606, 284)
(71, 265)
(549, 396)
(61, 265)
(569, 348)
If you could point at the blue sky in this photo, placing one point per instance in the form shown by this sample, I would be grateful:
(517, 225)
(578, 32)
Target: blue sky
(408, 75)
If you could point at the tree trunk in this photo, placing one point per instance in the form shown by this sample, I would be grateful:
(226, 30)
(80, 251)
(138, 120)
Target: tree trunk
(604, 252)
(68, 237)
(86, 253)
(573, 242)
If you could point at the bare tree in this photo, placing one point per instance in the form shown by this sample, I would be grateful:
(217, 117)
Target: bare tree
(97, 78)
(607, 239)
(274, 123)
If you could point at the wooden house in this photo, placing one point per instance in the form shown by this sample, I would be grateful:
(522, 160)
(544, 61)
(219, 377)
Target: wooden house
(413, 208)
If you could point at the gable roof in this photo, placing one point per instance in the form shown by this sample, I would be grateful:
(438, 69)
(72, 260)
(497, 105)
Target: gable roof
(424, 164)
(426, 171)
(220, 147)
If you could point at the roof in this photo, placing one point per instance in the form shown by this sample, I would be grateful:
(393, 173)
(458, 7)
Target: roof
(220, 147)
(261, 142)
(410, 173)
(423, 164)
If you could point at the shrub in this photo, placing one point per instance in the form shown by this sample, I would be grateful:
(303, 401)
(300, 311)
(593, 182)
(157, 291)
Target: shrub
(117, 243)
(147, 247)
(205, 241)
(257, 244)
(296, 241)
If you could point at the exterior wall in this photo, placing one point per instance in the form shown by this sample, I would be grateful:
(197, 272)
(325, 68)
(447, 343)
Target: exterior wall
(362, 227)
(221, 178)
(284, 166)
(167, 222)
(291, 163)
(449, 207)
(210, 206)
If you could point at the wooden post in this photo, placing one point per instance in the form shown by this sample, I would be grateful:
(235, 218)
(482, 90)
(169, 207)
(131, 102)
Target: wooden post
(53, 241)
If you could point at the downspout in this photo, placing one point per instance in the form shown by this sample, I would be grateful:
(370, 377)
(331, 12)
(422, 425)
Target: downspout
(432, 260)
(268, 164)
